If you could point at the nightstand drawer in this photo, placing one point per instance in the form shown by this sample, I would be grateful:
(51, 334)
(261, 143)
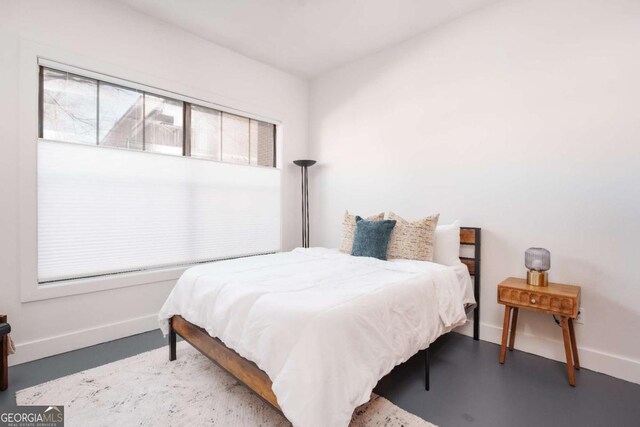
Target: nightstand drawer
(542, 301)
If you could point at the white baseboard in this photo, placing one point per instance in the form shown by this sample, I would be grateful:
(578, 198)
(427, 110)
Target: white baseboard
(610, 364)
(595, 360)
(37, 349)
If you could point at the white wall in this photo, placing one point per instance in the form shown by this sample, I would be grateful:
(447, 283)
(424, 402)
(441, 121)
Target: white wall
(523, 119)
(121, 39)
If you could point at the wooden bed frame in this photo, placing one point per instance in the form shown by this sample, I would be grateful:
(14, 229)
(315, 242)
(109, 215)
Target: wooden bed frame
(256, 379)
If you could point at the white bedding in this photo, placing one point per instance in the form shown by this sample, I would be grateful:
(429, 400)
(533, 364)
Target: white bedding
(325, 326)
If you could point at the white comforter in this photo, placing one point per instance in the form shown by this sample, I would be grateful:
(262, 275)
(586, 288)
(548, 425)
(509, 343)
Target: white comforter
(323, 325)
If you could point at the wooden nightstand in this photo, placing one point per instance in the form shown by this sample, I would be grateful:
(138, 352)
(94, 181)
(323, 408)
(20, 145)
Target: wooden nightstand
(561, 300)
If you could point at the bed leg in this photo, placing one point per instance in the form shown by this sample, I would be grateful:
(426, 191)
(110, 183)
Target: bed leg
(172, 343)
(476, 323)
(426, 369)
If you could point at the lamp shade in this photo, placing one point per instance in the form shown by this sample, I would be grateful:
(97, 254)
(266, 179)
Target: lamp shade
(303, 163)
(538, 259)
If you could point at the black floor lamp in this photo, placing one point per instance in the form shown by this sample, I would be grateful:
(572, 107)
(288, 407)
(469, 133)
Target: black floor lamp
(304, 165)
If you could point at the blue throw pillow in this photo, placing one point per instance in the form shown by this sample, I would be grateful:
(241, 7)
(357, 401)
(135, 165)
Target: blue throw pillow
(372, 238)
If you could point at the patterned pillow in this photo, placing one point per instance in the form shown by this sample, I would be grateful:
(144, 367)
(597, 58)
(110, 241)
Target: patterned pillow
(349, 230)
(412, 240)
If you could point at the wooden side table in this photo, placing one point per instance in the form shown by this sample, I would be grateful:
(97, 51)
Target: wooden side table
(557, 299)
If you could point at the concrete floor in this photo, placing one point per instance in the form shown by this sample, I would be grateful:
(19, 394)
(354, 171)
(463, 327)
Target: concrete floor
(470, 388)
(468, 385)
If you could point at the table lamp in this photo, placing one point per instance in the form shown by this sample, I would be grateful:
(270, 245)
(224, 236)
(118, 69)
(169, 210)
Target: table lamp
(538, 261)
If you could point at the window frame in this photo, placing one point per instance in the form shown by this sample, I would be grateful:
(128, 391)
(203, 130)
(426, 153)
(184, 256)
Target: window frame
(186, 101)
(32, 55)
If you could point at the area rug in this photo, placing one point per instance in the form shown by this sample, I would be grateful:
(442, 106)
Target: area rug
(148, 390)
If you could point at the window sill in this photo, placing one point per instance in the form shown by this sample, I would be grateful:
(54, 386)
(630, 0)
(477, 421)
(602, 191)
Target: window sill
(38, 292)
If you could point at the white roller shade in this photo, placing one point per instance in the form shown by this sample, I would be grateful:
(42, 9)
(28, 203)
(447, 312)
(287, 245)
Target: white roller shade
(104, 210)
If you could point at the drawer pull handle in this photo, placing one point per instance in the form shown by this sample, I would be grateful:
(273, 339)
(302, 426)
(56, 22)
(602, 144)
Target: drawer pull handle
(533, 300)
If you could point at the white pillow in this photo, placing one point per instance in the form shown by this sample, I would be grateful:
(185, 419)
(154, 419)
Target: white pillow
(447, 244)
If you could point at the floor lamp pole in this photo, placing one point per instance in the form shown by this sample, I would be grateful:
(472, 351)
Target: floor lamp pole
(304, 180)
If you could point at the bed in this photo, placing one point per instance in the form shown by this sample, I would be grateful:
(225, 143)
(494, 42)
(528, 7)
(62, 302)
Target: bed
(313, 330)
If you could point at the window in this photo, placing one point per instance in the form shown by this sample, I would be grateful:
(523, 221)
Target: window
(205, 133)
(120, 114)
(69, 107)
(104, 211)
(90, 111)
(235, 137)
(163, 129)
(262, 140)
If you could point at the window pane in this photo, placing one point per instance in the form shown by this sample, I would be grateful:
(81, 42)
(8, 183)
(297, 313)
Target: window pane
(235, 139)
(69, 107)
(163, 125)
(120, 115)
(205, 133)
(262, 143)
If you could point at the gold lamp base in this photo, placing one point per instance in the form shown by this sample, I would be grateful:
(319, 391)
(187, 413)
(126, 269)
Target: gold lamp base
(537, 278)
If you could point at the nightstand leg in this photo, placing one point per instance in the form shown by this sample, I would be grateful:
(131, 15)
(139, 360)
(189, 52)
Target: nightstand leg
(505, 332)
(574, 347)
(514, 323)
(567, 350)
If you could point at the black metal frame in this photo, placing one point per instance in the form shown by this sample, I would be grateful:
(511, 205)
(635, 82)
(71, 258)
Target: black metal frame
(476, 279)
(172, 341)
(304, 176)
(40, 101)
(476, 294)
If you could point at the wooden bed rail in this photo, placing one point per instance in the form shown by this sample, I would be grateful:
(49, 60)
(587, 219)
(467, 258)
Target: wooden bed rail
(244, 370)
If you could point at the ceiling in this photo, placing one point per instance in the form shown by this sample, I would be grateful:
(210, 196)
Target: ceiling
(306, 37)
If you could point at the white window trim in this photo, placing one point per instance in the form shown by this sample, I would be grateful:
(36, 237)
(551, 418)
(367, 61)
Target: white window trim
(97, 284)
(31, 58)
